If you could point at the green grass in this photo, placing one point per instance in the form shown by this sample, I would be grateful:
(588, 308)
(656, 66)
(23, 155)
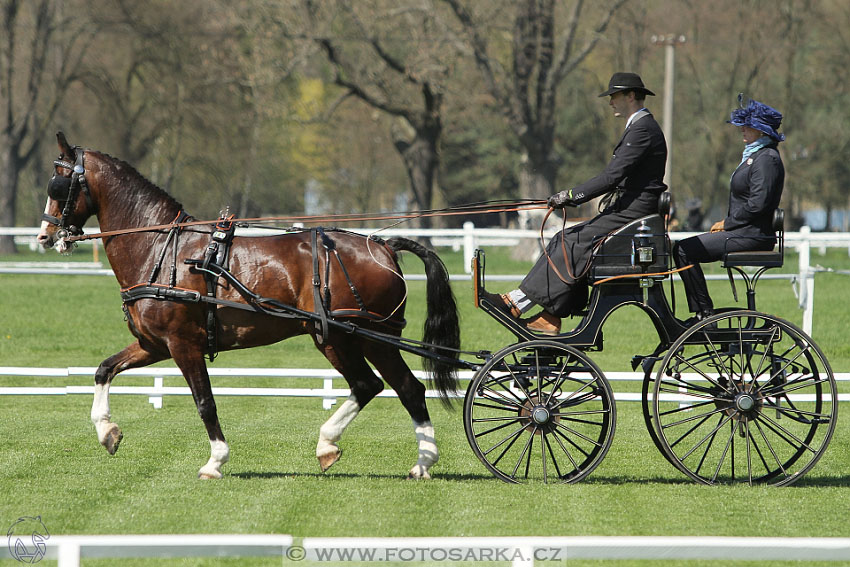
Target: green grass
(51, 464)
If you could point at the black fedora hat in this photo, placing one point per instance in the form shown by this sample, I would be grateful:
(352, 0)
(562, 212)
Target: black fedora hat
(626, 82)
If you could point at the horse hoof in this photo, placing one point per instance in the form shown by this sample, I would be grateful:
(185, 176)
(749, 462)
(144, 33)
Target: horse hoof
(418, 473)
(215, 475)
(327, 461)
(112, 439)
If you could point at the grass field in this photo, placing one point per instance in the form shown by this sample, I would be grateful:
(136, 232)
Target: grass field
(51, 464)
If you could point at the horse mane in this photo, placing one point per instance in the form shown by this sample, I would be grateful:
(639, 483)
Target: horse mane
(135, 182)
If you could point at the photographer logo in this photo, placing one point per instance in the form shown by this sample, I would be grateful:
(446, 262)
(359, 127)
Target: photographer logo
(26, 539)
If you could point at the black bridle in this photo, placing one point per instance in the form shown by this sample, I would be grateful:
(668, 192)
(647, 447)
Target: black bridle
(68, 189)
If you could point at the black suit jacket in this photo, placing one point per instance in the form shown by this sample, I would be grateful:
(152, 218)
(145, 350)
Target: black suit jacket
(637, 168)
(755, 191)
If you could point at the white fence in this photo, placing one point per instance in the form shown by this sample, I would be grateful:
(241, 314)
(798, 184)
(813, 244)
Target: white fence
(328, 392)
(469, 238)
(518, 551)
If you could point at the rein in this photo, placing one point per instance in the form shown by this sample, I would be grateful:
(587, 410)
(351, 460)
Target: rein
(481, 208)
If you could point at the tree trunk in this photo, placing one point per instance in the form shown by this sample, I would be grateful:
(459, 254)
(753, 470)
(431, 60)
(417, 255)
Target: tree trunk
(420, 161)
(9, 175)
(537, 176)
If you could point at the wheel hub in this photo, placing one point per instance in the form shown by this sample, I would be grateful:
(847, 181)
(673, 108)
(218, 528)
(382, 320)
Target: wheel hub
(744, 402)
(542, 417)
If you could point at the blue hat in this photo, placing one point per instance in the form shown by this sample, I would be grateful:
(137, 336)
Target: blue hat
(758, 116)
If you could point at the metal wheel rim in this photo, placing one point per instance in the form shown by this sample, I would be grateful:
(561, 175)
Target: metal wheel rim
(539, 411)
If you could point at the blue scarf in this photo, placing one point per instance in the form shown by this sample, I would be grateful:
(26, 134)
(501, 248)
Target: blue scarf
(752, 148)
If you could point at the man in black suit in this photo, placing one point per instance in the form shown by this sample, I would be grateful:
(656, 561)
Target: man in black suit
(631, 182)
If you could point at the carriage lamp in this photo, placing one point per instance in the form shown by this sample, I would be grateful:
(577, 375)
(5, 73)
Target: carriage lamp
(643, 245)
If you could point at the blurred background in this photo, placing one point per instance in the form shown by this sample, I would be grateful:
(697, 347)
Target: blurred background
(336, 106)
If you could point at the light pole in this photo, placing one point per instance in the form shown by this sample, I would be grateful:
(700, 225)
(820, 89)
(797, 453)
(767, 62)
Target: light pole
(669, 42)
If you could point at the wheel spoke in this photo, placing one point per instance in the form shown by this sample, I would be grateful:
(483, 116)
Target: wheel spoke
(563, 436)
(498, 427)
(526, 449)
(512, 438)
(729, 442)
(703, 374)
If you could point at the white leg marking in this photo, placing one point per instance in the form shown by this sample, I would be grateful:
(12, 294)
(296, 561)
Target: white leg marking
(333, 428)
(428, 454)
(219, 454)
(108, 433)
(100, 411)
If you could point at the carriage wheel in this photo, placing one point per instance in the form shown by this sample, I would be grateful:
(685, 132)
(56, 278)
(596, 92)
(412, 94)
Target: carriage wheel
(539, 411)
(744, 397)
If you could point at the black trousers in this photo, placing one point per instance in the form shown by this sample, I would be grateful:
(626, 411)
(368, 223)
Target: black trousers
(557, 281)
(710, 247)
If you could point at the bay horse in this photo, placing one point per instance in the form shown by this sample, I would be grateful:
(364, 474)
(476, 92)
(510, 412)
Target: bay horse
(362, 279)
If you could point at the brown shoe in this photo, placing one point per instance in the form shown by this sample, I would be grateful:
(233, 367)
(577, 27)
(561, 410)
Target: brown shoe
(543, 323)
(503, 303)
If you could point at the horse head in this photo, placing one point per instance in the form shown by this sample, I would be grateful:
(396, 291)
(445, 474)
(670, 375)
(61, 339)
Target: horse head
(69, 198)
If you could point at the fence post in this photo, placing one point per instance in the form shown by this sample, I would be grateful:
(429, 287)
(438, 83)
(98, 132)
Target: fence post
(806, 279)
(156, 400)
(68, 554)
(329, 401)
(468, 246)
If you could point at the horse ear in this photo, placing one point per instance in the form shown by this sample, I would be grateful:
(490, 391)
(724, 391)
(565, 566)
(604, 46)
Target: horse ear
(65, 148)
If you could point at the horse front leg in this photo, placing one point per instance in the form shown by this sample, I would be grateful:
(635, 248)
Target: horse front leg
(134, 356)
(194, 369)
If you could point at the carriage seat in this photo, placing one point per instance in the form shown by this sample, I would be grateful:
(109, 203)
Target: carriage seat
(768, 258)
(763, 260)
(618, 255)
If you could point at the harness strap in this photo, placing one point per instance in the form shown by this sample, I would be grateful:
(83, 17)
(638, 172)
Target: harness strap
(175, 229)
(318, 304)
(360, 303)
(330, 246)
(216, 253)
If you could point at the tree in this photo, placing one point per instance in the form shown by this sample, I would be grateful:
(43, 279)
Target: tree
(527, 93)
(402, 80)
(40, 55)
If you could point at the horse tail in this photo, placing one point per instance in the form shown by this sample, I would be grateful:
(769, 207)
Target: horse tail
(442, 330)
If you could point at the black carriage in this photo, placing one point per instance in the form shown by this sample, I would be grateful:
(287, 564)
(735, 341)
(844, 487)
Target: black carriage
(742, 396)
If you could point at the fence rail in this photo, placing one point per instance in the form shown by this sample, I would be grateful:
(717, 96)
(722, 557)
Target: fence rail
(328, 392)
(518, 551)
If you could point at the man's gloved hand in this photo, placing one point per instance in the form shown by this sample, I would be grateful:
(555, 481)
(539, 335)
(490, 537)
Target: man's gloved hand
(561, 200)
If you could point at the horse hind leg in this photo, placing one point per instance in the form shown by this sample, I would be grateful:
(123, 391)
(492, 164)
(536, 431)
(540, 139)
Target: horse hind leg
(411, 393)
(364, 384)
(134, 356)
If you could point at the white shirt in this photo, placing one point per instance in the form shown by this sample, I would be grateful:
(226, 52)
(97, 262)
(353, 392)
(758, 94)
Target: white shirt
(629, 121)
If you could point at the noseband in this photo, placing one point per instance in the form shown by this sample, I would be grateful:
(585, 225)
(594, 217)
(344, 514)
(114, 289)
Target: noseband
(68, 189)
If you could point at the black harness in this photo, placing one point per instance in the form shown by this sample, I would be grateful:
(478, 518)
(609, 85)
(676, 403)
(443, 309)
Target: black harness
(214, 265)
(216, 253)
(67, 190)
